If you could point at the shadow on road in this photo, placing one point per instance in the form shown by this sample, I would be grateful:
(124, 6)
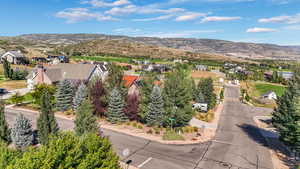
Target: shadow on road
(270, 142)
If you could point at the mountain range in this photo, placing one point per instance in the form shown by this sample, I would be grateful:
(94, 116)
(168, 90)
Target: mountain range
(205, 46)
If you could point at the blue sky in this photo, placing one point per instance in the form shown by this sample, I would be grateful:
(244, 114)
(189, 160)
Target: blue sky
(262, 21)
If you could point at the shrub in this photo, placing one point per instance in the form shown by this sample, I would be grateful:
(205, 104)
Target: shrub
(172, 135)
(140, 127)
(150, 131)
(70, 151)
(134, 124)
(157, 130)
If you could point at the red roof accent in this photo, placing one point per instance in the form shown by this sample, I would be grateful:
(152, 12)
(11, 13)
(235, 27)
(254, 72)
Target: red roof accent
(129, 80)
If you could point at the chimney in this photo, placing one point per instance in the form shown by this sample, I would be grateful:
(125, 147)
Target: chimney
(40, 74)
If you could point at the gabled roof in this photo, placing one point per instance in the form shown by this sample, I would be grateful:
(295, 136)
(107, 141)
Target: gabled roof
(129, 80)
(15, 53)
(268, 93)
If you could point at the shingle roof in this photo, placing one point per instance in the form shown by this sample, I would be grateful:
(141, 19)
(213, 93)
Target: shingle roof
(71, 71)
(16, 53)
(129, 80)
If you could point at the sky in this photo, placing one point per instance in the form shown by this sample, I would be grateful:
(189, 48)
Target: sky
(259, 21)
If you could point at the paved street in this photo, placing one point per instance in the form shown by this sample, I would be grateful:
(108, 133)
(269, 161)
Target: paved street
(237, 145)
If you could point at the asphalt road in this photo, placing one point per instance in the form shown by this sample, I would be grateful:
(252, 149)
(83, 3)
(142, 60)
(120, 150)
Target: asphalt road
(237, 145)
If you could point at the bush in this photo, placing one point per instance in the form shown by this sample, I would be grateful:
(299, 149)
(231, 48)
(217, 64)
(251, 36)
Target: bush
(140, 127)
(150, 131)
(157, 130)
(17, 98)
(70, 151)
(7, 156)
(134, 124)
(172, 135)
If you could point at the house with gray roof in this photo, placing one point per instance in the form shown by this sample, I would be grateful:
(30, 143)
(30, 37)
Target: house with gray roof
(14, 57)
(74, 72)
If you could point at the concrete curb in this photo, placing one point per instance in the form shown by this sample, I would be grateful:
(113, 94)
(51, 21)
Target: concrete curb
(106, 127)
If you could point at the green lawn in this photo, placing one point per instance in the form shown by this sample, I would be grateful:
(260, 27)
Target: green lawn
(265, 87)
(113, 59)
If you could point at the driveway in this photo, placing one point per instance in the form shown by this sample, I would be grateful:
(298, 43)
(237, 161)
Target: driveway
(237, 145)
(10, 93)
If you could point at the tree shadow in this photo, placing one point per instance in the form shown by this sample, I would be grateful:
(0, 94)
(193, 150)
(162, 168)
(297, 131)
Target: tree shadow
(268, 139)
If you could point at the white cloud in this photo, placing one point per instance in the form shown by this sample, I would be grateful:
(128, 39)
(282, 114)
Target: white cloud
(163, 17)
(129, 9)
(292, 19)
(190, 16)
(188, 33)
(101, 3)
(260, 30)
(73, 15)
(126, 30)
(219, 18)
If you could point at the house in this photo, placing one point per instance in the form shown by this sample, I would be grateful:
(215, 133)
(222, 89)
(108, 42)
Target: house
(57, 59)
(130, 82)
(76, 72)
(201, 68)
(14, 57)
(269, 95)
(286, 75)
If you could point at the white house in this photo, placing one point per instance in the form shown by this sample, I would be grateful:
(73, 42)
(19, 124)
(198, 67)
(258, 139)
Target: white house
(270, 95)
(13, 57)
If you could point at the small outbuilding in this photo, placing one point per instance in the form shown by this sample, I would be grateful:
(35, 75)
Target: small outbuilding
(269, 95)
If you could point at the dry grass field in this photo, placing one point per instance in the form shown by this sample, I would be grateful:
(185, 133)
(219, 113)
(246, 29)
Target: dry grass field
(13, 84)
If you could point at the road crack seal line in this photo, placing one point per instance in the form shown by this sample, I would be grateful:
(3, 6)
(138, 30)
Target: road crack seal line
(137, 151)
(202, 157)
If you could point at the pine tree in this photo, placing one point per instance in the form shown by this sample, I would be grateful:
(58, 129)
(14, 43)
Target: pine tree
(200, 98)
(286, 117)
(155, 116)
(85, 121)
(116, 105)
(46, 122)
(206, 87)
(178, 96)
(64, 95)
(22, 133)
(80, 96)
(4, 129)
(8, 71)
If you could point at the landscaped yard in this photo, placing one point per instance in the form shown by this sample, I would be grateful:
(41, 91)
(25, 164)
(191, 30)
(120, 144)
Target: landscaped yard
(256, 89)
(262, 88)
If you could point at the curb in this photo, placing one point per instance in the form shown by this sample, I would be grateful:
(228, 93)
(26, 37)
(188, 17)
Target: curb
(10, 107)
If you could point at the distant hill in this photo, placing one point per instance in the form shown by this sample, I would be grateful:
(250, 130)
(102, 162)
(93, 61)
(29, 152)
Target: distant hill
(208, 46)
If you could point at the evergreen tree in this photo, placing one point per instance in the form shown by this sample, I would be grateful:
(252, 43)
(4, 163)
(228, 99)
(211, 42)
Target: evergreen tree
(64, 95)
(21, 133)
(98, 97)
(115, 111)
(155, 116)
(8, 71)
(46, 122)
(80, 96)
(200, 98)
(206, 87)
(178, 96)
(147, 84)
(286, 117)
(4, 129)
(85, 121)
